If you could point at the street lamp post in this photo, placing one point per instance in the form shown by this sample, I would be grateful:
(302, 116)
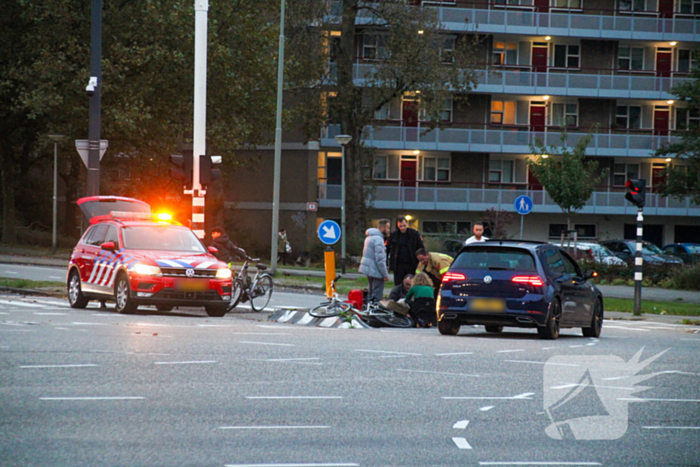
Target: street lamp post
(56, 139)
(343, 140)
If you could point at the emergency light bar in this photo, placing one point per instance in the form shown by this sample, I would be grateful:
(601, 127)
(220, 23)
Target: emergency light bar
(147, 216)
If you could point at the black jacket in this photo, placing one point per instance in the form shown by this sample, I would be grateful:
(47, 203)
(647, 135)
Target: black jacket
(227, 249)
(415, 242)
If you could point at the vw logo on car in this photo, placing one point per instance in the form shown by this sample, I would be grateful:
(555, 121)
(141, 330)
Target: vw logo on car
(488, 279)
(189, 272)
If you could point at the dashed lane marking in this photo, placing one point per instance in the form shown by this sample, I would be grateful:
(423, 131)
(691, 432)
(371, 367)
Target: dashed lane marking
(487, 408)
(523, 396)
(193, 362)
(291, 397)
(292, 465)
(671, 427)
(461, 443)
(266, 343)
(300, 427)
(389, 352)
(77, 365)
(437, 373)
(540, 363)
(510, 351)
(126, 398)
(453, 354)
(540, 463)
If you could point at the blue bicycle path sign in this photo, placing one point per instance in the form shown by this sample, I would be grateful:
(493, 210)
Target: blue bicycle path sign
(329, 232)
(523, 204)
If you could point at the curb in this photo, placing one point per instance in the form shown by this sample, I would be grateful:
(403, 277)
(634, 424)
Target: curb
(292, 315)
(21, 291)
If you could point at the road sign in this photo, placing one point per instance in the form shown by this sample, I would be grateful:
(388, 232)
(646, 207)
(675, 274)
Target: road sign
(329, 232)
(81, 145)
(523, 204)
(312, 206)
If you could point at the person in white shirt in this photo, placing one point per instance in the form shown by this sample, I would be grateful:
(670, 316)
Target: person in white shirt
(478, 236)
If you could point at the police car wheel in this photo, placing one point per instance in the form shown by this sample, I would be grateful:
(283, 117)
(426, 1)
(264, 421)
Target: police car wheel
(122, 296)
(75, 293)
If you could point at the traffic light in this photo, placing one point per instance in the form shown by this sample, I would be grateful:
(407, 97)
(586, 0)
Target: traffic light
(209, 171)
(182, 167)
(636, 191)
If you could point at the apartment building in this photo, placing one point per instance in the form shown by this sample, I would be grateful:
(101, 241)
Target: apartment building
(548, 67)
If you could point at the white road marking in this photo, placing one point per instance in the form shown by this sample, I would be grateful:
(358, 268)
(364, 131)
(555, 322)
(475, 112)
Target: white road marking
(10, 272)
(453, 353)
(437, 373)
(78, 323)
(510, 351)
(695, 339)
(50, 313)
(540, 463)
(389, 352)
(639, 399)
(573, 385)
(461, 443)
(63, 329)
(90, 398)
(289, 359)
(185, 362)
(60, 366)
(266, 343)
(671, 427)
(540, 363)
(18, 303)
(548, 348)
(312, 427)
(610, 326)
(291, 465)
(487, 408)
(293, 397)
(261, 333)
(578, 345)
(523, 396)
(214, 325)
(461, 425)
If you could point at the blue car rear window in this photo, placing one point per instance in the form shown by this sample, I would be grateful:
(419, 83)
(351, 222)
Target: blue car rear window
(495, 259)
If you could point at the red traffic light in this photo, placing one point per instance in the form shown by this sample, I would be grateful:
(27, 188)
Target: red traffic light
(636, 191)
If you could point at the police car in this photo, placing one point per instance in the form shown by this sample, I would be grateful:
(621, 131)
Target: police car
(133, 257)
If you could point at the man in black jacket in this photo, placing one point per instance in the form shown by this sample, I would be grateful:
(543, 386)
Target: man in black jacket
(401, 248)
(227, 249)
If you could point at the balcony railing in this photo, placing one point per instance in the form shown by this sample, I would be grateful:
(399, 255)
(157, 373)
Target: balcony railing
(583, 83)
(482, 198)
(506, 140)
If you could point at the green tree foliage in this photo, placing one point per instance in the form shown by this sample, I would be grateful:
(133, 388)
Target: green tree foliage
(411, 57)
(683, 178)
(147, 93)
(566, 175)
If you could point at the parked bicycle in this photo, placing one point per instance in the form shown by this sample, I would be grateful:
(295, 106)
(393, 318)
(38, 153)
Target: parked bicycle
(370, 312)
(257, 289)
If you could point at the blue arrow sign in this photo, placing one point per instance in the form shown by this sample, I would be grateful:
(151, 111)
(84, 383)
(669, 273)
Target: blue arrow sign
(523, 204)
(329, 232)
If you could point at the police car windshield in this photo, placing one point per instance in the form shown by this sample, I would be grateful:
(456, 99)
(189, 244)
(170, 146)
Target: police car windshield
(161, 237)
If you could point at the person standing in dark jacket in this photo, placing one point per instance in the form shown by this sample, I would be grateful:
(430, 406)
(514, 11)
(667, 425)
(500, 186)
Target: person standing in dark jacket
(401, 247)
(227, 249)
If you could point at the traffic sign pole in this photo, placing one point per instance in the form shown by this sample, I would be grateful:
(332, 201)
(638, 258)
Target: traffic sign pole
(523, 205)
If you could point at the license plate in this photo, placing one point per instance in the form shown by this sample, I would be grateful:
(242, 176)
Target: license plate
(491, 305)
(192, 285)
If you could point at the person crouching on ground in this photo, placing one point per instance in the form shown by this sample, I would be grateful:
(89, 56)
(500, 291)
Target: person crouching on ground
(421, 301)
(373, 264)
(400, 291)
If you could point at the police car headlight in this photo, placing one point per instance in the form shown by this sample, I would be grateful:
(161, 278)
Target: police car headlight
(223, 273)
(146, 270)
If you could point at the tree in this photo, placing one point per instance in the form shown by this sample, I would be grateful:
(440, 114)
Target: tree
(566, 175)
(683, 180)
(498, 221)
(411, 57)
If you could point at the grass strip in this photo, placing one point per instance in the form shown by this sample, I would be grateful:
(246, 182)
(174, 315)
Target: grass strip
(654, 308)
(28, 284)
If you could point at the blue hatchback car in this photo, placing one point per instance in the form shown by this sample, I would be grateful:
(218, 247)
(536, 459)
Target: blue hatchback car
(520, 284)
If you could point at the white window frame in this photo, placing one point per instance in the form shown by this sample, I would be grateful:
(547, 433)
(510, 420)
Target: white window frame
(691, 115)
(514, 3)
(503, 112)
(500, 171)
(691, 61)
(627, 116)
(568, 7)
(378, 46)
(503, 53)
(567, 56)
(436, 160)
(626, 173)
(632, 4)
(694, 7)
(566, 114)
(628, 57)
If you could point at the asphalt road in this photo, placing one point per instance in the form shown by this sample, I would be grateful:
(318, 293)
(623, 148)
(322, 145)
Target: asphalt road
(92, 387)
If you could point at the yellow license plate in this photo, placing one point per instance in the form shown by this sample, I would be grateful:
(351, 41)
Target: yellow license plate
(192, 285)
(491, 305)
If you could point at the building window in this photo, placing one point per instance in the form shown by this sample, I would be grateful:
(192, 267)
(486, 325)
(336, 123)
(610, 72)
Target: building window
(379, 171)
(384, 113)
(629, 117)
(374, 46)
(436, 169)
(505, 53)
(630, 58)
(501, 171)
(583, 231)
(570, 4)
(565, 115)
(687, 119)
(503, 112)
(514, 2)
(447, 50)
(632, 5)
(566, 56)
(624, 172)
(446, 114)
(689, 7)
(685, 61)
(447, 227)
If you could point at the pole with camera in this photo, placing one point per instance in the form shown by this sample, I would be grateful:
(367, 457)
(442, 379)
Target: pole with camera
(636, 192)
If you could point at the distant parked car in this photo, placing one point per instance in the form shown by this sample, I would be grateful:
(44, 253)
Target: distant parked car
(594, 252)
(651, 253)
(688, 252)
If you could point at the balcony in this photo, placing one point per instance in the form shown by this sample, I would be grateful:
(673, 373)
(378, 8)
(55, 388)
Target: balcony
(586, 23)
(586, 83)
(514, 140)
(481, 198)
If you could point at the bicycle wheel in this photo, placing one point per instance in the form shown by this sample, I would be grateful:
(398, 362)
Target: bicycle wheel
(262, 291)
(330, 309)
(236, 294)
(394, 320)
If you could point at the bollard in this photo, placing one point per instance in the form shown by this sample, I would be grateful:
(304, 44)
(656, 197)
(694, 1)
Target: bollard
(329, 259)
